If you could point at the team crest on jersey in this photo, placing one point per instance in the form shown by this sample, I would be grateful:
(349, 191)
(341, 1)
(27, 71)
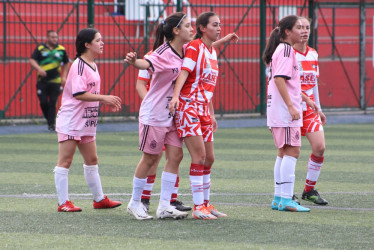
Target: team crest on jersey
(57, 54)
(153, 144)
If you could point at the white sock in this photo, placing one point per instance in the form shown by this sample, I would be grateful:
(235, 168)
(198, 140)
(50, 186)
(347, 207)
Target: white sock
(137, 189)
(206, 186)
(277, 178)
(91, 173)
(62, 184)
(287, 174)
(167, 185)
(196, 181)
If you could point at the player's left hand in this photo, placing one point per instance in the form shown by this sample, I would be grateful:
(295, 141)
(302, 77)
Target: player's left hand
(215, 124)
(323, 117)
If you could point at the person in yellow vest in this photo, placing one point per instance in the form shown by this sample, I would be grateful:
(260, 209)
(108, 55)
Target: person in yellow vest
(47, 59)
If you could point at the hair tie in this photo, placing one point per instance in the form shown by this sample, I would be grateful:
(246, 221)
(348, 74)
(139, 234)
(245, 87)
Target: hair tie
(162, 22)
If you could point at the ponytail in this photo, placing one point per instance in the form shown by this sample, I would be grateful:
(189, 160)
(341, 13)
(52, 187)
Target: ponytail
(273, 43)
(159, 40)
(277, 35)
(165, 29)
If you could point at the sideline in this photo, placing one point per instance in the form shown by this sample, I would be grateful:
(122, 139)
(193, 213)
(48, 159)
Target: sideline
(131, 124)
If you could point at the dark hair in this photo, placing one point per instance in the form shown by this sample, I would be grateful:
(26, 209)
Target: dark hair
(84, 36)
(50, 31)
(202, 19)
(278, 34)
(165, 28)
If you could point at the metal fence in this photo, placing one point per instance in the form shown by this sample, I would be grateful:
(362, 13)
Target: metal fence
(342, 34)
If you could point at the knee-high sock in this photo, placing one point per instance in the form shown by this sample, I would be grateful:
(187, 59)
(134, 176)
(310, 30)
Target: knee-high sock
(196, 181)
(287, 174)
(314, 169)
(277, 178)
(174, 195)
(147, 192)
(137, 189)
(91, 173)
(167, 186)
(62, 184)
(206, 184)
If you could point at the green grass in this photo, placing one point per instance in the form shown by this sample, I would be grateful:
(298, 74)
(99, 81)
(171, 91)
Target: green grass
(242, 183)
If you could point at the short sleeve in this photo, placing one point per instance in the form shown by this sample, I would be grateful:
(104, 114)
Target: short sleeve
(65, 58)
(78, 78)
(36, 54)
(157, 62)
(190, 57)
(282, 64)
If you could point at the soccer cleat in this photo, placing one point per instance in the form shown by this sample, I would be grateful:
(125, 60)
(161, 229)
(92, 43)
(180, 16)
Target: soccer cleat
(290, 205)
(202, 213)
(296, 199)
(106, 203)
(180, 206)
(275, 202)
(138, 211)
(171, 212)
(215, 212)
(145, 203)
(314, 197)
(68, 206)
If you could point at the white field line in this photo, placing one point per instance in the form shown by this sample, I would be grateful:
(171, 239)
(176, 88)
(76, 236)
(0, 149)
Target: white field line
(88, 196)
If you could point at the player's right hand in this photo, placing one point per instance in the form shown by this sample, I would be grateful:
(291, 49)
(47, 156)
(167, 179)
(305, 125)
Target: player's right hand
(173, 104)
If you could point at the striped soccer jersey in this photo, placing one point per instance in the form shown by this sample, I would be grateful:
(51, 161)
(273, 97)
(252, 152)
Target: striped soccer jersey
(202, 64)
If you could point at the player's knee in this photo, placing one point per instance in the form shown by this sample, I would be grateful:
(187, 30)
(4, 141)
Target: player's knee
(209, 160)
(319, 150)
(91, 161)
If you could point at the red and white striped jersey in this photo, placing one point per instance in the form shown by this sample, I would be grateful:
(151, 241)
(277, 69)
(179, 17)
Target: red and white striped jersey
(308, 68)
(202, 64)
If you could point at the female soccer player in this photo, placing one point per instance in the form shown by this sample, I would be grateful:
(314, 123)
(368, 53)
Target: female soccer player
(312, 122)
(77, 120)
(284, 109)
(156, 126)
(194, 113)
(142, 86)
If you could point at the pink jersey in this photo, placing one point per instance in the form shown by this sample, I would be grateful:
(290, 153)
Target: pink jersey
(165, 67)
(283, 64)
(202, 64)
(75, 117)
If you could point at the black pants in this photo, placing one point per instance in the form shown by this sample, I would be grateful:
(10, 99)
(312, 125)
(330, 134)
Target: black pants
(48, 95)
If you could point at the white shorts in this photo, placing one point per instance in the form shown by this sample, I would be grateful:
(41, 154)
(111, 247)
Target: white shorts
(152, 139)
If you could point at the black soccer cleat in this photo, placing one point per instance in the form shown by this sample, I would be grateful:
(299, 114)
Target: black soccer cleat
(313, 196)
(180, 206)
(146, 203)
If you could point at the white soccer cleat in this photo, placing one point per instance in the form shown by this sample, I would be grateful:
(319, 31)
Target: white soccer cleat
(170, 212)
(138, 211)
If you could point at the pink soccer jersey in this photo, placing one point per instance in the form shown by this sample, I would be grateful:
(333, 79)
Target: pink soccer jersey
(75, 117)
(202, 64)
(165, 67)
(283, 64)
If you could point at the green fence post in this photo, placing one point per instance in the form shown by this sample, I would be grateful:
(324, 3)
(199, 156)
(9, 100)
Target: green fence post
(179, 5)
(146, 28)
(311, 16)
(90, 12)
(262, 64)
(362, 54)
(4, 31)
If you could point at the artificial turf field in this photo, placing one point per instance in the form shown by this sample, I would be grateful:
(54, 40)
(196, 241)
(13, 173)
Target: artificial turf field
(242, 185)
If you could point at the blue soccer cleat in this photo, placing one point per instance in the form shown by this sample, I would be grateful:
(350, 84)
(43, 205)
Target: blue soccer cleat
(292, 206)
(275, 202)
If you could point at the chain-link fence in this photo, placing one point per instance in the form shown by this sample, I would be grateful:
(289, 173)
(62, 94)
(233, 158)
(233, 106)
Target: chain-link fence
(342, 34)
